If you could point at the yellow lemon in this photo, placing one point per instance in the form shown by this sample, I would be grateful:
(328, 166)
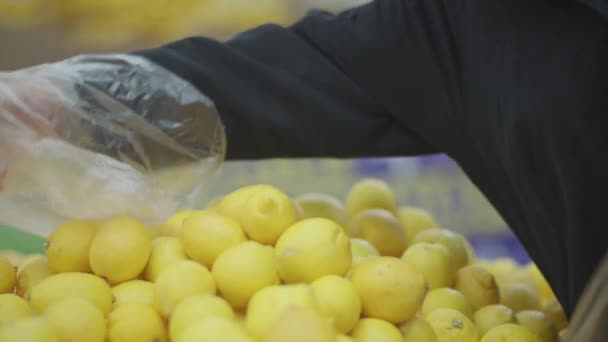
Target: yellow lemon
(233, 203)
(321, 205)
(381, 228)
(390, 288)
(134, 291)
(339, 300)
(165, 250)
(414, 220)
(370, 194)
(263, 211)
(492, 316)
(519, 297)
(452, 241)
(133, 322)
(471, 257)
(301, 325)
(538, 323)
(268, 304)
(206, 234)
(75, 319)
(374, 329)
(243, 270)
(502, 266)
(8, 276)
(212, 329)
(433, 261)
(553, 309)
(30, 272)
(417, 329)
(180, 280)
(312, 248)
(120, 250)
(452, 326)
(344, 338)
(446, 297)
(197, 307)
(72, 284)
(477, 285)
(30, 329)
(12, 307)
(173, 225)
(361, 249)
(510, 333)
(542, 285)
(67, 247)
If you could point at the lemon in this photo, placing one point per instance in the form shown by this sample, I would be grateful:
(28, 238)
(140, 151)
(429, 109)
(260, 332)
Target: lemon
(243, 270)
(374, 329)
(339, 300)
(446, 297)
(321, 205)
(133, 322)
(212, 329)
(263, 211)
(12, 307)
(133, 291)
(155, 231)
(120, 250)
(538, 323)
(206, 234)
(233, 203)
(519, 276)
(268, 304)
(31, 272)
(414, 220)
(492, 316)
(72, 284)
(452, 241)
(370, 194)
(301, 325)
(471, 257)
(361, 249)
(344, 338)
(194, 308)
(312, 248)
(67, 247)
(452, 326)
(173, 225)
(75, 319)
(433, 261)
(27, 260)
(553, 309)
(165, 250)
(180, 280)
(417, 329)
(519, 297)
(510, 333)
(381, 228)
(8, 276)
(502, 266)
(13, 257)
(542, 285)
(477, 285)
(30, 329)
(389, 288)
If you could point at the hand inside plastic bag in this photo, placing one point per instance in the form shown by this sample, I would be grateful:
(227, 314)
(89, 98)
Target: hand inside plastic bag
(98, 136)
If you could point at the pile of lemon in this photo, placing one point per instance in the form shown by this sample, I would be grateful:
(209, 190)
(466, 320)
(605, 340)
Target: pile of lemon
(257, 265)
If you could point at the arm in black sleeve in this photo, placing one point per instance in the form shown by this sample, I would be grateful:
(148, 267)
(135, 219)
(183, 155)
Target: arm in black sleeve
(281, 94)
(513, 90)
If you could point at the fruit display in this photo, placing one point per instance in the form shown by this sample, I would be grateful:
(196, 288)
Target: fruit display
(259, 265)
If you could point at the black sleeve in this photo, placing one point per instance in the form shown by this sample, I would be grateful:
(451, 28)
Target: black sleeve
(513, 90)
(286, 92)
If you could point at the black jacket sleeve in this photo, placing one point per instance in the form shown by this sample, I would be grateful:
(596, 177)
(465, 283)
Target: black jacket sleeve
(513, 90)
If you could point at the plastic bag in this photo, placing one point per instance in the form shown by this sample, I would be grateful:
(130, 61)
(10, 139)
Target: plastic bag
(588, 323)
(98, 136)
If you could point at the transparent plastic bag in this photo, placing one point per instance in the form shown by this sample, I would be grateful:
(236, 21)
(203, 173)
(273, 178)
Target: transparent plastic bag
(98, 136)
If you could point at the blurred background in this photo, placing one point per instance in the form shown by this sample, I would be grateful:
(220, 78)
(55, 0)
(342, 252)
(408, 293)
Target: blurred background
(39, 31)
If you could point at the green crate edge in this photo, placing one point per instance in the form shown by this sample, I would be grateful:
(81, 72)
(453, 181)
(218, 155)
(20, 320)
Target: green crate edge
(17, 240)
